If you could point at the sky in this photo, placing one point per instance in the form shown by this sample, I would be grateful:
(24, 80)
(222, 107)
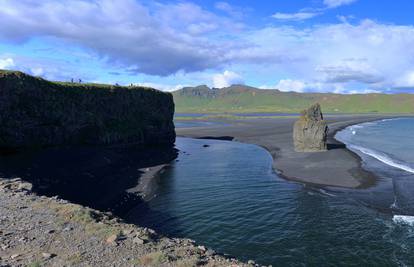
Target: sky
(342, 46)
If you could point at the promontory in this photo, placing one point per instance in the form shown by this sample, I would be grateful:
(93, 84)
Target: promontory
(39, 113)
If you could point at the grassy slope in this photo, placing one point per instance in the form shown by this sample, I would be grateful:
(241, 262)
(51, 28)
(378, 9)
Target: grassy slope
(250, 100)
(275, 101)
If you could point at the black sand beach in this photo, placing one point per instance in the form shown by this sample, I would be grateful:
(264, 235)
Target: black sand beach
(338, 166)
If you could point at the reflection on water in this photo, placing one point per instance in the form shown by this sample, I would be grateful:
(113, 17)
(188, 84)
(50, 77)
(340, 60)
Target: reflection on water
(227, 197)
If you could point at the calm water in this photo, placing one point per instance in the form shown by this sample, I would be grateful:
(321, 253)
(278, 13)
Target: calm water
(227, 197)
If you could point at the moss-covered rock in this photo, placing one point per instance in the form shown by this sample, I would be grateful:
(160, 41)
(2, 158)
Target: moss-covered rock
(37, 113)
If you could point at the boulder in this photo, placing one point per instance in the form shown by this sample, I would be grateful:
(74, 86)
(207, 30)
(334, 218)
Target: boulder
(310, 131)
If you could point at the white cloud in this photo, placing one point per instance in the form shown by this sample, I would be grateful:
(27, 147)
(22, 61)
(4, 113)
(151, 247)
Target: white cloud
(308, 13)
(233, 11)
(166, 39)
(291, 85)
(367, 54)
(157, 39)
(162, 87)
(295, 16)
(406, 79)
(6, 63)
(226, 79)
(350, 70)
(361, 91)
(37, 71)
(337, 3)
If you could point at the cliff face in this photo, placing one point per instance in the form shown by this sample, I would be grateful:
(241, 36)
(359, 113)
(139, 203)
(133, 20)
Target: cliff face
(37, 113)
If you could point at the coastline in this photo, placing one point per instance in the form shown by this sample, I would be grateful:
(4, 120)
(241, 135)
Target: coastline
(48, 231)
(147, 183)
(128, 238)
(337, 167)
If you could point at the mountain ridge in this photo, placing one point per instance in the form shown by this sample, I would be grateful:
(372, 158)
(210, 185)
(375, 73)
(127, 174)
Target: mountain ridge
(247, 99)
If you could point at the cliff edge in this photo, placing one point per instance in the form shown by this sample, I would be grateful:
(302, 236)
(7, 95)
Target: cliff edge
(39, 113)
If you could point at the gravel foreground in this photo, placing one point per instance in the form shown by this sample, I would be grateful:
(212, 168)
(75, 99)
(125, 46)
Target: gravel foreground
(42, 231)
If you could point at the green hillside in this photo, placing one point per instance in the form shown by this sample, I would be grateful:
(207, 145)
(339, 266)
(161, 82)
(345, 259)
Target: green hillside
(244, 99)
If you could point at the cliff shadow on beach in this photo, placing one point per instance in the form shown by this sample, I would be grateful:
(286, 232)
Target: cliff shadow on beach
(97, 177)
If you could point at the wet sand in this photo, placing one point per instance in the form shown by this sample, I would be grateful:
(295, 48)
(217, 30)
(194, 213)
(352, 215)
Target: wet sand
(338, 166)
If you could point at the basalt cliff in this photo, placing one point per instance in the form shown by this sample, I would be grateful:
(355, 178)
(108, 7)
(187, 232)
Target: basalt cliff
(39, 113)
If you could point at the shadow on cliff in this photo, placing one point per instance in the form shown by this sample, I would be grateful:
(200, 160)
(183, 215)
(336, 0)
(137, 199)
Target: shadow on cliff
(97, 177)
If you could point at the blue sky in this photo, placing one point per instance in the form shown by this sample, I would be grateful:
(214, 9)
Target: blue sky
(344, 46)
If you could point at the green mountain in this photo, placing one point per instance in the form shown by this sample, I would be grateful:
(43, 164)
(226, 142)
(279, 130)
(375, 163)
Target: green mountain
(245, 99)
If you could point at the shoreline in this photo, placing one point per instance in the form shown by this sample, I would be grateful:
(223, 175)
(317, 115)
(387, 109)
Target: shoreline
(37, 230)
(147, 183)
(337, 167)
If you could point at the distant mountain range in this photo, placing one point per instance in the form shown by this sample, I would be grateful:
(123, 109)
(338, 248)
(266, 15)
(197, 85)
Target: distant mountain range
(246, 99)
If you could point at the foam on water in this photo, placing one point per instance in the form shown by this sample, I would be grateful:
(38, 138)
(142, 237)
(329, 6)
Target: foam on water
(324, 192)
(383, 157)
(404, 219)
(387, 140)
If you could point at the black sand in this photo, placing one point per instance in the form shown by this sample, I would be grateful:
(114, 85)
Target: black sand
(337, 167)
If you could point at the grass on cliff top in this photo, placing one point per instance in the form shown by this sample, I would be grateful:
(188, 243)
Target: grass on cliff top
(19, 74)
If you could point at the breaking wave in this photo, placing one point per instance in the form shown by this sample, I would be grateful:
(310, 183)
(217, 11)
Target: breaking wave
(384, 158)
(404, 219)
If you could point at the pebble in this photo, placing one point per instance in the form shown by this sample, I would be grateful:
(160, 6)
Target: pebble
(23, 239)
(14, 256)
(67, 229)
(138, 241)
(47, 256)
(113, 239)
(210, 252)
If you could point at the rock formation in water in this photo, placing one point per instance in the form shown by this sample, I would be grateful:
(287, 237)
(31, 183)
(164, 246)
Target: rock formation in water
(310, 131)
(38, 113)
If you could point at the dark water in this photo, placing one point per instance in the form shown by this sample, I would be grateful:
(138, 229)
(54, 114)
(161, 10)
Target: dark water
(227, 197)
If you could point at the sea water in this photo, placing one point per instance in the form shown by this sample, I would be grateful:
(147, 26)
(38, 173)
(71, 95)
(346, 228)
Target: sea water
(387, 148)
(226, 196)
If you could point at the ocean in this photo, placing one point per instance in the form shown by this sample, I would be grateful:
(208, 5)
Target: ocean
(387, 148)
(226, 196)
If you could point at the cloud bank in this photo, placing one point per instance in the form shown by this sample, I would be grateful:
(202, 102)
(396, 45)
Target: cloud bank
(162, 40)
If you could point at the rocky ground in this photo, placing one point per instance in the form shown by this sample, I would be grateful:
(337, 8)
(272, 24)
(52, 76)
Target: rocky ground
(41, 231)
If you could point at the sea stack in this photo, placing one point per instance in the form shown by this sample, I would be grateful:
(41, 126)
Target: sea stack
(310, 131)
